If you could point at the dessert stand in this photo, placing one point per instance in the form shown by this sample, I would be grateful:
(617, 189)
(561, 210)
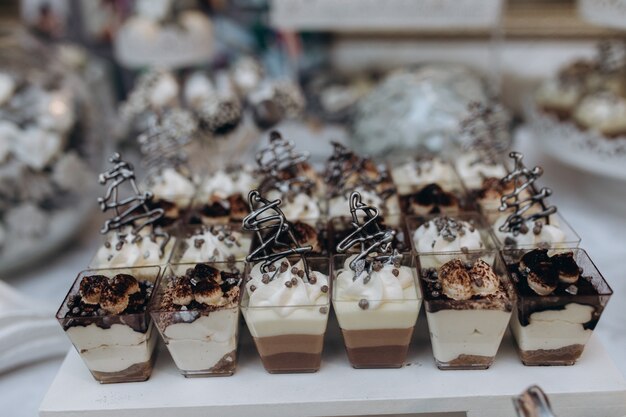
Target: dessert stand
(592, 387)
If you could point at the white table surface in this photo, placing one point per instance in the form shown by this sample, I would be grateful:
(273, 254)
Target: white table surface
(594, 206)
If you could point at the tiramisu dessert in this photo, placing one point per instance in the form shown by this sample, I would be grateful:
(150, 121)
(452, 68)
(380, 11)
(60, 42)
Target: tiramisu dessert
(560, 300)
(104, 315)
(468, 306)
(427, 185)
(215, 243)
(526, 219)
(132, 236)
(222, 196)
(196, 311)
(443, 235)
(173, 191)
(347, 172)
(375, 296)
(286, 299)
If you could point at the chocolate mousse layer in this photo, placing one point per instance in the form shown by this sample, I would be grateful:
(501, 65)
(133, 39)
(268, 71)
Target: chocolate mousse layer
(291, 352)
(378, 348)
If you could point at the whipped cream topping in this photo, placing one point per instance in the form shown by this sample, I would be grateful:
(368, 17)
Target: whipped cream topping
(287, 289)
(535, 233)
(142, 252)
(164, 91)
(446, 234)
(222, 184)
(171, 185)
(340, 206)
(198, 88)
(299, 207)
(217, 243)
(603, 111)
(386, 282)
(472, 172)
(413, 174)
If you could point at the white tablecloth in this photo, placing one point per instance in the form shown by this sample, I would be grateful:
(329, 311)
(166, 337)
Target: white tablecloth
(594, 206)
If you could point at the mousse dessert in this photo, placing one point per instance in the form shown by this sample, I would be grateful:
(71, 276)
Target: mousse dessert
(173, 191)
(196, 311)
(286, 298)
(443, 235)
(426, 186)
(222, 196)
(214, 243)
(346, 172)
(104, 315)
(287, 312)
(376, 308)
(468, 306)
(560, 300)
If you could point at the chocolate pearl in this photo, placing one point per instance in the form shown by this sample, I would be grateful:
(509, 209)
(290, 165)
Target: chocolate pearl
(197, 243)
(324, 310)
(324, 288)
(435, 294)
(294, 270)
(271, 268)
(107, 244)
(301, 273)
(294, 281)
(265, 278)
(464, 249)
(312, 279)
(75, 310)
(252, 288)
(395, 272)
(364, 304)
(523, 229)
(284, 266)
(288, 284)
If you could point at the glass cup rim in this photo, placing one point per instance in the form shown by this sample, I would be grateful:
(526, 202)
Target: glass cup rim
(595, 272)
(94, 271)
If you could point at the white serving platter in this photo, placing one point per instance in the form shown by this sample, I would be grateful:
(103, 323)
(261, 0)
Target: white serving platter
(591, 388)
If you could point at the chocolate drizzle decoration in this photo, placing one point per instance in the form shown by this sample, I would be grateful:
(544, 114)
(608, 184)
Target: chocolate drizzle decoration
(523, 180)
(279, 164)
(269, 223)
(133, 210)
(486, 131)
(369, 235)
(533, 403)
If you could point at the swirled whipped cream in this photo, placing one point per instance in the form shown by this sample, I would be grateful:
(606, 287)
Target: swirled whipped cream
(222, 184)
(412, 175)
(216, 243)
(385, 283)
(447, 234)
(285, 286)
(532, 233)
(472, 171)
(126, 249)
(171, 185)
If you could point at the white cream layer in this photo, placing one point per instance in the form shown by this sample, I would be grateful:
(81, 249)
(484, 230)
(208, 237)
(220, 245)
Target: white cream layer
(473, 173)
(412, 176)
(554, 329)
(201, 344)
(215, 250)
(466, 332)
(114, 349)
(142, 253)
(551, 234)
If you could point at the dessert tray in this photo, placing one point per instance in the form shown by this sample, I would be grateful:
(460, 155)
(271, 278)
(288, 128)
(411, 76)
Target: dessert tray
(593, 387)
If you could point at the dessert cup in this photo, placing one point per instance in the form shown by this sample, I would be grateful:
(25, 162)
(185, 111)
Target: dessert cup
(340, 227)
(196, 310)
(552, 329)
(313, 232)
(441, 235)
(134, 250)
(173, 192)
(214, 243)
(468, 305)
(286, 315)
(107, 321)
(377, 323)
(557, 234)
(429, 186)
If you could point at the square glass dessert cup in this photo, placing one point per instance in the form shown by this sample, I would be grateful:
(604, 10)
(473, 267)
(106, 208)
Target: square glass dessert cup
(211, 243)
(313, 232)
(376, 329)
(201, 338)
(554, 329)
(425, 236)
(466, 324)
(340, 227)
(290, 336)
(115, 347)
(557, 234)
